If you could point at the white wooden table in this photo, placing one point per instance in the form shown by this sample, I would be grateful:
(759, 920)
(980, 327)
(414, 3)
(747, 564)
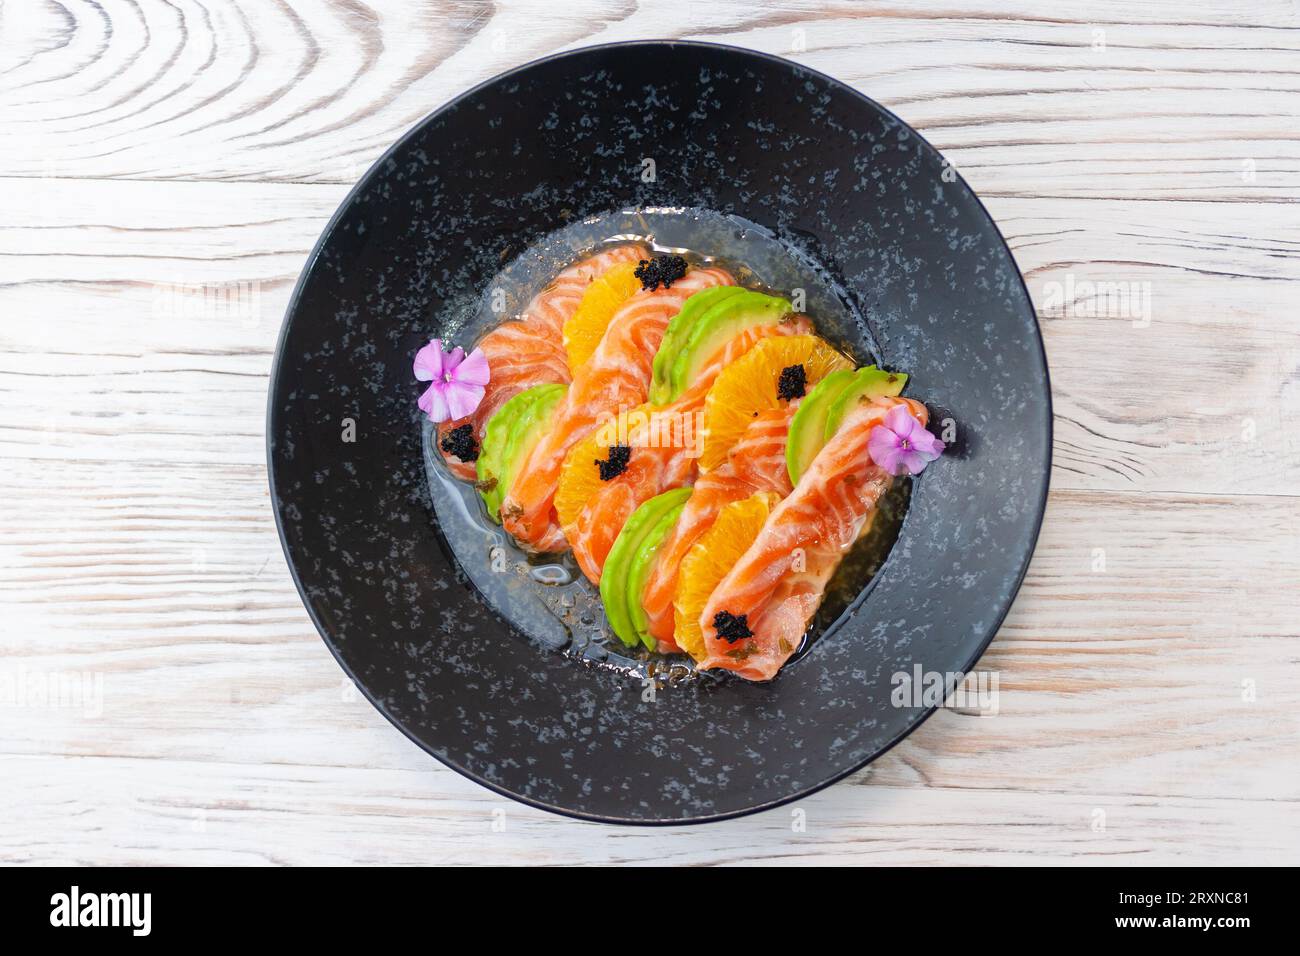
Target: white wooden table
(164, 170)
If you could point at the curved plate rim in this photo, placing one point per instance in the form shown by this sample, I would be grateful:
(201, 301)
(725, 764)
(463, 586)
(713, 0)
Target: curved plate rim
(274, 381)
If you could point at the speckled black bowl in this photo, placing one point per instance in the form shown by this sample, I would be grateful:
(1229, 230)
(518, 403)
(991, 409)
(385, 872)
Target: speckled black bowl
(833, 175)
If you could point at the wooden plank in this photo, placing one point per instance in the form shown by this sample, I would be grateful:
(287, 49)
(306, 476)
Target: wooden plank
(1173, 356)
(223, 814)
(1093, 99)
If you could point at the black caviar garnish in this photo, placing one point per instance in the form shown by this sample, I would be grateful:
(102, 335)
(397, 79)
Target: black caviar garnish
(660, 271)
(619, 455)
(460, 442)
(793, 382)
(731, 627)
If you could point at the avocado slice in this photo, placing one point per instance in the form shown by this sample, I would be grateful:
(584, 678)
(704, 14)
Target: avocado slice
(644, 560)
(808, 426)
(614, 578)
(716, 327)
(678, 327)
(868, 383)
(823, 409)
(510, 435)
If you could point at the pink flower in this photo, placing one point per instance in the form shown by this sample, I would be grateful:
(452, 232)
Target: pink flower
(458, 380)
(901, 445)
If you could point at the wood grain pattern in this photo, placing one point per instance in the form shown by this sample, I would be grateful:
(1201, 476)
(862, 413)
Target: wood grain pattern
(212, 813)
(167, 167)
(1026, 103)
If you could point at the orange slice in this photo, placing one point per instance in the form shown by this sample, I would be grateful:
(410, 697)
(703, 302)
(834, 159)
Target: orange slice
(708, 562)
(602, 298)
(579, 476)
(579, 479)
(749, 386)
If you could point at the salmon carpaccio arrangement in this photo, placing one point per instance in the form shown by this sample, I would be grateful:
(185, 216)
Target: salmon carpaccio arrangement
(708, 458)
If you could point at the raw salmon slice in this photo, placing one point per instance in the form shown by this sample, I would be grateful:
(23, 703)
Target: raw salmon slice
(665, 455)
(616, 377)
(530, 350)
(779, 582)
(755, 463)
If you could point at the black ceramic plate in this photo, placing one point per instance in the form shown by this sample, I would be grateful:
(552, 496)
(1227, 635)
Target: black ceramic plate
(903, 259)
